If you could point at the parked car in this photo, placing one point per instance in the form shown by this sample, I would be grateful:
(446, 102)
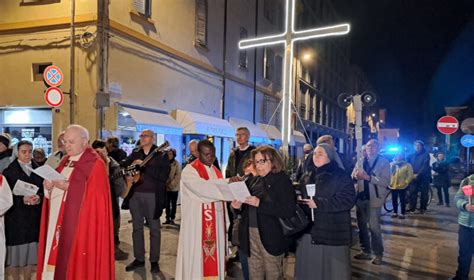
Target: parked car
(457, 171)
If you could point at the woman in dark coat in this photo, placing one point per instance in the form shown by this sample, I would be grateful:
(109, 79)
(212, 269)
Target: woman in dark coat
(323, 251)
(260, 233)
(22, 221)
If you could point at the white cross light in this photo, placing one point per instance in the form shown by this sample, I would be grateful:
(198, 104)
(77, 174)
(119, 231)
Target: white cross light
(288, 38)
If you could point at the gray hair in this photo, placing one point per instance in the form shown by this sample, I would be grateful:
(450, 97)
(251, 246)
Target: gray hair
(244, 129)
(83, 132)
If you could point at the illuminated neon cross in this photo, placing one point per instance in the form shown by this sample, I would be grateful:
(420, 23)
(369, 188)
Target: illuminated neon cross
(289, 38)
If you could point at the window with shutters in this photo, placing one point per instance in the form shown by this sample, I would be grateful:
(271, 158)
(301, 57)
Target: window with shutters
(243, 61)
(201, 23)
(143, 7)
(278, 72)
(268, 63)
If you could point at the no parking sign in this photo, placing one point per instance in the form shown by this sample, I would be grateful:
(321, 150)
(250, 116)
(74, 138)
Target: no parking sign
(53, 76)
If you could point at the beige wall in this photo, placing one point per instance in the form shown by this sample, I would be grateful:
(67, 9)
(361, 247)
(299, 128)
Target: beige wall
(12, 11)
(172, 23)
(17, 88)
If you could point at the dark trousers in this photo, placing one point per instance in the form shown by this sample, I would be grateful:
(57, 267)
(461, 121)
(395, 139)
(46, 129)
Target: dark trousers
(142, 205)
(396, 194)
(423, 187)
(171, 199)
(443, 190)
(230, 213)
(466, 250)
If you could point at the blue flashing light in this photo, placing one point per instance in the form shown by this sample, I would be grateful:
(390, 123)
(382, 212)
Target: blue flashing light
(393, 149)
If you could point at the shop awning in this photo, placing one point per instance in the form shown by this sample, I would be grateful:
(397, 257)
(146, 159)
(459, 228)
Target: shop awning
(195, 123)
(272, 132)
(297, 137)
(157, 122)
(256, 133)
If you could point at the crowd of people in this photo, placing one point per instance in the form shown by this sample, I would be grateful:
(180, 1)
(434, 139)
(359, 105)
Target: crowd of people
(70, 227)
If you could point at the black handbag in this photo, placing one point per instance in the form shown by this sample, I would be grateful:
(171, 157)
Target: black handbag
(296, 223)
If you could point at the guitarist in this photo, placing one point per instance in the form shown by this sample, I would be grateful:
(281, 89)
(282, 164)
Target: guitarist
(147, 200)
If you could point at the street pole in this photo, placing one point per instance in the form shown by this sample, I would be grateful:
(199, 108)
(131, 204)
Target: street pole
(72, 96)
(358, 127)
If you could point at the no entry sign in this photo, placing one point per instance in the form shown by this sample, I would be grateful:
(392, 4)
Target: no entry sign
(447, 125)
(53, 76)
(54, 97)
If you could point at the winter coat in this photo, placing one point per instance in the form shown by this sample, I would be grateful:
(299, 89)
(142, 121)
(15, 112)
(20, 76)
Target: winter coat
(233, 169)
(441, 175)
(465, 218)
(277, 199)
(335, 196)
(420, 162)
(402, 175)
(380, 180)
(172, 185)
(22, 222)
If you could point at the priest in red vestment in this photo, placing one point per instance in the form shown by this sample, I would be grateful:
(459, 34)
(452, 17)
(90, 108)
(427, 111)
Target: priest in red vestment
(76, 237)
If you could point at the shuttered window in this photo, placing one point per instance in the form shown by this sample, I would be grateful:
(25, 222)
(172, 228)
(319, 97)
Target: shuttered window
(278, 72)
(142, 7)
(268, 63)
(201, 23)
(243, 53)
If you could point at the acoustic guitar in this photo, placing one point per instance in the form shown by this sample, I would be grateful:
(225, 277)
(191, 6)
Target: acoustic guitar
(133, 170)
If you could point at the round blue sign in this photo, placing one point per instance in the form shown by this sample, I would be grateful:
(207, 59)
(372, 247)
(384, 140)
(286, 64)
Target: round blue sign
(467, 141)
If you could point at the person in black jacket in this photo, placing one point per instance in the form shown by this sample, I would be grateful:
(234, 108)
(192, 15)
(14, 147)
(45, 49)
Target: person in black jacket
(147, 200)
(113, 149)
(323, 251)
(420, 161)
(260, 232)
(22, 221)
(441, 178)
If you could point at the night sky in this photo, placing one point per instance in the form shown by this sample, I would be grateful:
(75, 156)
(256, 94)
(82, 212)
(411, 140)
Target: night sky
(418, 54)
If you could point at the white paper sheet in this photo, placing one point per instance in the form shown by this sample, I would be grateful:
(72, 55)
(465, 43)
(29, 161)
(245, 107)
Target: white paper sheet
(48, 173)
(311, 190)
(25, 189)
(239, 190)
(225, 191)
(233, 191)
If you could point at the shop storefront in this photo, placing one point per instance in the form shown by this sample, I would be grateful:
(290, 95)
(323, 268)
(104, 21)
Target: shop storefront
(132, 120)
(32, 124)
(199, 126)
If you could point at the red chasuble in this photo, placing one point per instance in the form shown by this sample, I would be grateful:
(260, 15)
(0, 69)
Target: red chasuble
(209, 230)
(85, 247)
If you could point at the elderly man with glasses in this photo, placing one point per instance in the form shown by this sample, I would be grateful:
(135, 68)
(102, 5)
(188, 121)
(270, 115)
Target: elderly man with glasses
(147, 200)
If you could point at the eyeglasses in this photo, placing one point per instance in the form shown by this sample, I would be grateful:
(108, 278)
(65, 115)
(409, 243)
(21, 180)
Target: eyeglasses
(261, 161)
(144, 135)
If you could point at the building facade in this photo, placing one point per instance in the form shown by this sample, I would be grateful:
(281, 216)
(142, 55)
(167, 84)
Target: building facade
(172, 66)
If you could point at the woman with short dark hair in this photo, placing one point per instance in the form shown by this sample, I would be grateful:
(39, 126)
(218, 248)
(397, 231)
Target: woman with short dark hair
(272, 197)
(22, 221)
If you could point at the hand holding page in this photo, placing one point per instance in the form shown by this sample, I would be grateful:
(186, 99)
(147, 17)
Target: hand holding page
(233, 191)
(24, 189)
(48, 173)
(239, 191)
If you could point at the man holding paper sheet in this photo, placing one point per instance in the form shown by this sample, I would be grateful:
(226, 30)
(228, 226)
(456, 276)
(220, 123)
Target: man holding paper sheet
(202, 238)
(22, 221)
(76, 237)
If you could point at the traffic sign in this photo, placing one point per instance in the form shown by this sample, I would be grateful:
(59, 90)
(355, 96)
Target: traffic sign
(447, 125)
(467, 141)
(54, 96)
(467, 126)
(53, 76)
